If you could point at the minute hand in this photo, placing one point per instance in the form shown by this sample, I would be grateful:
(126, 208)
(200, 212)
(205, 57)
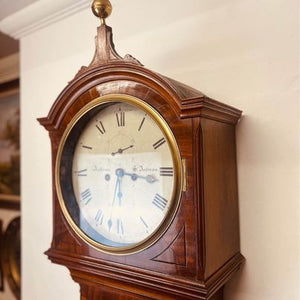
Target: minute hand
(121, 150)
(148, 178)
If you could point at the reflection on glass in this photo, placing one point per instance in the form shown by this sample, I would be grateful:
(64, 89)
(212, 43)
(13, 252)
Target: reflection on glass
(123, 175)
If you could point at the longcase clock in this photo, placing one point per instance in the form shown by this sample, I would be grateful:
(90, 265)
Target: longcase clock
(144, 172)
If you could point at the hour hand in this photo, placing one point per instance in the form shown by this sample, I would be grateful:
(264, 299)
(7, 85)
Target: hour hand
(121, 150)
(148, 178)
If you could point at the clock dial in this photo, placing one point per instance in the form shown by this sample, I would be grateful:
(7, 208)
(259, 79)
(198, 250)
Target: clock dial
(124, 174)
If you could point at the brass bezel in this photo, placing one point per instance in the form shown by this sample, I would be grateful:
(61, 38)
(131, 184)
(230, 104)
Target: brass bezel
(166, 222)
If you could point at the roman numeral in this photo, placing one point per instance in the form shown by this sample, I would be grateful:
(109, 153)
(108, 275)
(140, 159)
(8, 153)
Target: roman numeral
(100, 127)
(143, 221)
(120, 118)
(87, 147)
(159, 143)
(81, 172)
(99, 217)
(86, 196)
(166, 171)
(160, 202)
(142, 123)
(120, 228)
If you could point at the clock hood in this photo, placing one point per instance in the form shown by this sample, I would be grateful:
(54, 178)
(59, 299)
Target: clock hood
(108, 69)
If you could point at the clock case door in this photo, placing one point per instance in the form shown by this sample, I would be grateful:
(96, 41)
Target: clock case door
(200, 250)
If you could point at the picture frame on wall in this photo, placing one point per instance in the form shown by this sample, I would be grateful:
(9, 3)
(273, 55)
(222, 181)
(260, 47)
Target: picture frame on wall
(11, 256)
(10, 152)
(1, 249)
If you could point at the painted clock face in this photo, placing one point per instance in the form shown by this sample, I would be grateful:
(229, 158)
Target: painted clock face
(119, 174)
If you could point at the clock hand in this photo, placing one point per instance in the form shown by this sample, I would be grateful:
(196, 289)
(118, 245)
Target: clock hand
(148, 178)
(120, 173)
(120, 195)
(121, 150)
(117, 193)
(110, 222)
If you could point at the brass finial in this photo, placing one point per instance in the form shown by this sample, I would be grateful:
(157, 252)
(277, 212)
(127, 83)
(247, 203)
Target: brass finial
(102, 9)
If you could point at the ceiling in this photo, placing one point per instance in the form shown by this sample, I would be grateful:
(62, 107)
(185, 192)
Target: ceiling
(8, 7)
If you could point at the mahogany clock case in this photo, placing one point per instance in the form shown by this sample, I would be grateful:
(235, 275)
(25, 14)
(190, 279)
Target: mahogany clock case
(197, 253)
(200, 249)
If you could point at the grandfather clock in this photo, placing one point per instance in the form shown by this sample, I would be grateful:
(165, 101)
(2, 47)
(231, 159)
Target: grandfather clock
(145, 201)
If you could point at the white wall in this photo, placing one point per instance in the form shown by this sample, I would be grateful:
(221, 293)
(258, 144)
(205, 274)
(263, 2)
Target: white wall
(244, 53)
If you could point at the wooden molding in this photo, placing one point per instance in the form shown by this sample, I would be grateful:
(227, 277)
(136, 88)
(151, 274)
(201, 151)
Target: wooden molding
(12, 202)
(9, 68)
(105, 51)
(200, 106)
(9, 88)
(138, 281)
(40, 14)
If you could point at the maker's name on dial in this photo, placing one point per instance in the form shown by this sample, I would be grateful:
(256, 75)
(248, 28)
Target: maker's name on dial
(141, 168)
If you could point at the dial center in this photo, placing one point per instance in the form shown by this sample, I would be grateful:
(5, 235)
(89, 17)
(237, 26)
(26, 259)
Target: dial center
(120, 172)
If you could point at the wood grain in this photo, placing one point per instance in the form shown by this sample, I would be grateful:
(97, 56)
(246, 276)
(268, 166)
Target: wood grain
(199, 252)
